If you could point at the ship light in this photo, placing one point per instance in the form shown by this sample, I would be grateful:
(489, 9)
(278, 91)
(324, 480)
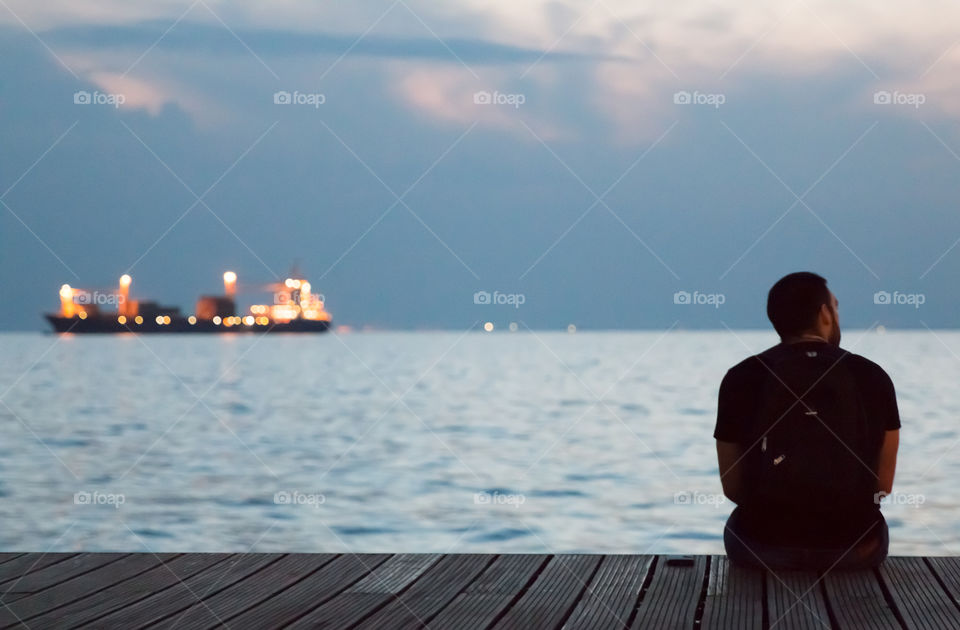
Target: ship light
(488, 327)
(159, 320)
(248, 320)
(138, 319)
(82, 314)
(166, 319)
(192, 320)
(125, 280)
(216, 320)
(121, 320)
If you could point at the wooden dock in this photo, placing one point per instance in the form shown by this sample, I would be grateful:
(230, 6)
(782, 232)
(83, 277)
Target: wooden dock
(210, 590)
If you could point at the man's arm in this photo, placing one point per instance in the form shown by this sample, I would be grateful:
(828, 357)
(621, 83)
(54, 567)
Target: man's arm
(729, 455)
(887, 462)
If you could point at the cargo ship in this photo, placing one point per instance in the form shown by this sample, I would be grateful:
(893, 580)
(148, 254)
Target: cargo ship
(295, 309)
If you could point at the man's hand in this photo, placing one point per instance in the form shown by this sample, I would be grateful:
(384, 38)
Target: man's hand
(729, 455)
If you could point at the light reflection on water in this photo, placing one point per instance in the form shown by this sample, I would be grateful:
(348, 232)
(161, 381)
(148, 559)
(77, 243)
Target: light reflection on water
(526, 442)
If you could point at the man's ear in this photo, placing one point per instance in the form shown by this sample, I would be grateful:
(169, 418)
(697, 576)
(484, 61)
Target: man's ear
(826, 315)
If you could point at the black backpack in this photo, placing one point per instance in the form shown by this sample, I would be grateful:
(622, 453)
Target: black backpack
(806, 457)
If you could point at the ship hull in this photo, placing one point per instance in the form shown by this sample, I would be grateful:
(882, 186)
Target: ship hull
(104, 325)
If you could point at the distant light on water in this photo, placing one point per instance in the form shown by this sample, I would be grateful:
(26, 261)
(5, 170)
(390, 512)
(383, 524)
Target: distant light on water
(571, 328)
(881, 329)
(513, 326)
(488, 327)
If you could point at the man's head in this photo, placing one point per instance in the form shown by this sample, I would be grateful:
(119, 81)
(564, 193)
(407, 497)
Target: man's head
(801, 304)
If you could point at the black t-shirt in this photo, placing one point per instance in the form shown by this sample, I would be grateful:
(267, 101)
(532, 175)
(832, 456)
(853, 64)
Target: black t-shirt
(738, 405)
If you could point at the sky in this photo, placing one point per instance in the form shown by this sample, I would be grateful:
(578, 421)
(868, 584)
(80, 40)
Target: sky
(599, 163)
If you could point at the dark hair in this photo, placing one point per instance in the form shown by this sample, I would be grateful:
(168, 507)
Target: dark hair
(794, 302)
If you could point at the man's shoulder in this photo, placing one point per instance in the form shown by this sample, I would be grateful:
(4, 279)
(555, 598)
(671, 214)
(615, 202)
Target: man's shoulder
(864, 367)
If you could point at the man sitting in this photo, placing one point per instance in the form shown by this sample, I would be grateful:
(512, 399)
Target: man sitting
(807, 436)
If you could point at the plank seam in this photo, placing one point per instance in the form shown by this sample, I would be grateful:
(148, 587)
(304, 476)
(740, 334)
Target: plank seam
(647, 580)
(888, 596)
(521, 592)
(397, 595)
(941, 582)
(370, 569)
(702, 598)
(426, 622)
(831, 615)
(583, 589)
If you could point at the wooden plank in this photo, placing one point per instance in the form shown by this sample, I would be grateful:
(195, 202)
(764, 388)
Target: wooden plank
(128, 592)
(185, 593)
(6, 557)
(734, 596)
(672, 597)
(77, 587)
(384, 583)
(554, 594)
(948, 570)
(795, 601)
(857, 601)
(917, 594)
(490, 594)
(27, 563)
(612, 595)
(434, 590)
(310, 593)
(50, 576)
(249, 592)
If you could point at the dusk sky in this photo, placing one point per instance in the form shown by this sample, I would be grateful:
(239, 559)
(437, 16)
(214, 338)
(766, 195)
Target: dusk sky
(596, 158)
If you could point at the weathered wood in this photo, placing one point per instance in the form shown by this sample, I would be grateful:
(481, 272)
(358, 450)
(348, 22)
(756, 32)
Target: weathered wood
(130, 591)
(54, 574)
(364, 591)
(794, 600)
(248, 592)
(431, 592)
(554, 594)
(382, 585)
(490, 594)
(734, 596)
(75, 588)
(16, 568)
(917, 594)
(609, 600)
(186, 592)
(857, 600)
(672, 597)
(310, 593)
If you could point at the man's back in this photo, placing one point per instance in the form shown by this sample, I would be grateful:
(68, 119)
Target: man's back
(847, 452)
